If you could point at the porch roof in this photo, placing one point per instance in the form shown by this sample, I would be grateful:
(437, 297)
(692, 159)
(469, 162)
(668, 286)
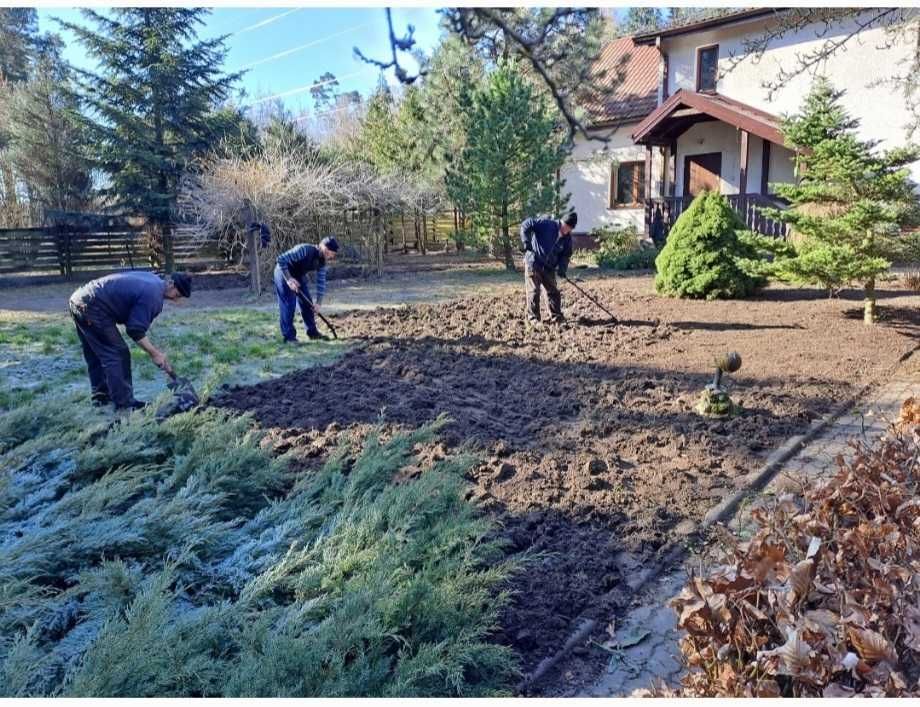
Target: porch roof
(685, 108)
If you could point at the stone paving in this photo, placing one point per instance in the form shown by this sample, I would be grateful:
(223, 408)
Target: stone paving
(650, 630)
(866, 424)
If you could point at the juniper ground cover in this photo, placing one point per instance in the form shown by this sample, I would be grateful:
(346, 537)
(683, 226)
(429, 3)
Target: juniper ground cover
(190, 558)
(186, 558)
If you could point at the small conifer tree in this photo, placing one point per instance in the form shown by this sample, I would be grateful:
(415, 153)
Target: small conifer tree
(707, 254)
(849, 204)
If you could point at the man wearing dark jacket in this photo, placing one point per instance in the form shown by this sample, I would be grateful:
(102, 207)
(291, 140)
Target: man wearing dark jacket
(291, 278)
(133, 299)
(547, 246)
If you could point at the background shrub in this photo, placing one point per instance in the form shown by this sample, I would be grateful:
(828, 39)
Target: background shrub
(614, 242)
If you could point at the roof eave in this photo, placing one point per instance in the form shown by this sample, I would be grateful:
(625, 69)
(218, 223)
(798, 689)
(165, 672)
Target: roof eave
(652, 37)
(725, 114)
(616, 122)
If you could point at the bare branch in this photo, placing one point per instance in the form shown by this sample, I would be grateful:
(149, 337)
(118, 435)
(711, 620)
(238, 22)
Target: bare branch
(396, 45)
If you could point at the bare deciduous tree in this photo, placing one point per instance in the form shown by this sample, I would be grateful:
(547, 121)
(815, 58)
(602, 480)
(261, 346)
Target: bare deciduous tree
(300, 196)
(559, 45)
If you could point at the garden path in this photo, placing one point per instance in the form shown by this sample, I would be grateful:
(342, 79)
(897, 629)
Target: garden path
(649, 635)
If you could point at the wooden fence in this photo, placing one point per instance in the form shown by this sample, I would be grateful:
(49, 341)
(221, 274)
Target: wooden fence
(62, 251)
(114, 243)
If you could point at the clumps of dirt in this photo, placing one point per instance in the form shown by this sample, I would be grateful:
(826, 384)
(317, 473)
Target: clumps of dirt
(586, 435)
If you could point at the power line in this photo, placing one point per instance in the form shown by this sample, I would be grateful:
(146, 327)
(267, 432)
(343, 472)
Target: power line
(306, 87)
(301, 47)
(267, 21)
(304, 116)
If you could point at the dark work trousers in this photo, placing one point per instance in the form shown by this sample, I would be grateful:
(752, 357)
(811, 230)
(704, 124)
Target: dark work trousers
(534, 278)
(287, 305)
(108, 360)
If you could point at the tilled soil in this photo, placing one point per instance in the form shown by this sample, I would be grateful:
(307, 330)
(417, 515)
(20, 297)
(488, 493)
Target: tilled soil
(591, 451)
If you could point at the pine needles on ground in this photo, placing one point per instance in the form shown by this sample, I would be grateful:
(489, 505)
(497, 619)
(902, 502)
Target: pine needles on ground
(185, 559)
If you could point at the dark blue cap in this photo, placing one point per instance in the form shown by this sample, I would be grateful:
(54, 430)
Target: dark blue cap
(331, 243)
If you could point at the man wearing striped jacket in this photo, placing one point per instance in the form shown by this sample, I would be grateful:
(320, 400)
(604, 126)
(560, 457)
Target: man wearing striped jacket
(291, 278)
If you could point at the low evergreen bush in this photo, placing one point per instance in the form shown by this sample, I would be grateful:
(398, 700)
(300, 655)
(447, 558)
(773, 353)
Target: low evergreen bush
(708, 254)
(186, 559)
(642, 259)
(614, 242)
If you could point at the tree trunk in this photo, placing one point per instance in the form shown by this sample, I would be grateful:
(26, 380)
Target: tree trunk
(869, 310)
(869, 314)
(424, 232)
(423, 236)
(402, 222)
(506, 239)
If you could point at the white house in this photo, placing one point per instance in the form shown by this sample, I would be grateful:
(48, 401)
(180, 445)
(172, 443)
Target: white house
(712, 123)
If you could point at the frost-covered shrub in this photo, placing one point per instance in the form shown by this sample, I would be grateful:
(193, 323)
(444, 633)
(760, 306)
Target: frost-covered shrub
(185, 559)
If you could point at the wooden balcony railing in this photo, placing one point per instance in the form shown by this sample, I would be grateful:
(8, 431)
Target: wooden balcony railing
(661, 213)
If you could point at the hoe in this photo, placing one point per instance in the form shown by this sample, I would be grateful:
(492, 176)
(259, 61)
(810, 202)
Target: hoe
(307, 303)
(613, 319)
(184, 397)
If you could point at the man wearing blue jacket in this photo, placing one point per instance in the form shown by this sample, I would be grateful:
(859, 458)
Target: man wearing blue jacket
(133, 299)
(547, 246)
(291, 278)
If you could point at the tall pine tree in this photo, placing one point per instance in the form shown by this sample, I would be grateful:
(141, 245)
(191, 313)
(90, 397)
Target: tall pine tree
(150, 102)
(18, 36)
(849, 203)
(508, 169)
(643, 19)
(49, 142)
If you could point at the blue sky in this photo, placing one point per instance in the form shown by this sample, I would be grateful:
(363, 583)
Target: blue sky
(335, 31)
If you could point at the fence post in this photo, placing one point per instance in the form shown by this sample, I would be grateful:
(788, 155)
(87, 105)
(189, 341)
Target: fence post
(255, 277)
(169, 260)
(68, 254)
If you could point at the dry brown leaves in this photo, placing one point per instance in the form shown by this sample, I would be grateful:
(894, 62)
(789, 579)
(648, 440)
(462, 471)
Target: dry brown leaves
(910, 412)
(824, 598)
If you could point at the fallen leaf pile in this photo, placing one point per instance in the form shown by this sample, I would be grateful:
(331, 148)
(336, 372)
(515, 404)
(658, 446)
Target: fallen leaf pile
(910, 413)
(824, 598)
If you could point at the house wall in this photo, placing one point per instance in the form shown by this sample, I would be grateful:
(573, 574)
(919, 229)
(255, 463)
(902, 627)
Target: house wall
(587, 178)
(880, 108)
(715, 136)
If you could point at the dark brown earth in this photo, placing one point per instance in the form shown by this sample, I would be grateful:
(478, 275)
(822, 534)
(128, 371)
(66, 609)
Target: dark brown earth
(590, 448)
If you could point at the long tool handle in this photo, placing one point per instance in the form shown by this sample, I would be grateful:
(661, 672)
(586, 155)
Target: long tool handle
(591, 299)
(304, 300)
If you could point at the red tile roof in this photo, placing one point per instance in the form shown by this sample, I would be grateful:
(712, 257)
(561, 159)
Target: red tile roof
(632, 70)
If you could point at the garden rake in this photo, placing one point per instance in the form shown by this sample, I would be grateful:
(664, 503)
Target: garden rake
(613, 319)
(307, 303)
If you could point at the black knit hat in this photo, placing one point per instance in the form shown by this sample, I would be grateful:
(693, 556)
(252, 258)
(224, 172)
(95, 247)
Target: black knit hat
(183, 283)
(571, 220)
(331, 243)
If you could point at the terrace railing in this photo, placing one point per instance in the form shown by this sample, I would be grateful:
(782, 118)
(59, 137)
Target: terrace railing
(661, 213)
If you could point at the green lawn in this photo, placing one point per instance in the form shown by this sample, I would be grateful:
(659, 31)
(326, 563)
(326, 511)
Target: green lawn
(211, 347)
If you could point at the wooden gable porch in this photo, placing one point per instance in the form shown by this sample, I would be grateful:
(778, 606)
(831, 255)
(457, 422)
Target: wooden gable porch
(675, 116)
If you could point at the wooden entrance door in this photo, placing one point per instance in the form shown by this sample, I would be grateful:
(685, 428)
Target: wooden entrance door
(702, 172)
